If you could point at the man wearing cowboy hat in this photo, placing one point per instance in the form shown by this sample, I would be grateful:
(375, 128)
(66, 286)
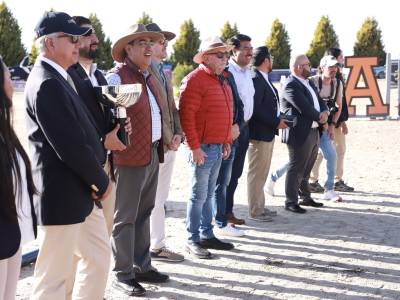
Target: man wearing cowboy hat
(172, 137)
(206, 116)
(137, 165)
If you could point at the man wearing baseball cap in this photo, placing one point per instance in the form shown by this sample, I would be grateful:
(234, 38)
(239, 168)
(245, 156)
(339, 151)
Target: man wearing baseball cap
(331, 91)
(67, 160)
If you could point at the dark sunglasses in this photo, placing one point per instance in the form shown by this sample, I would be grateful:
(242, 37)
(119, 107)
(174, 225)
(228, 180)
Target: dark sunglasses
(221, 55)
(72, 38)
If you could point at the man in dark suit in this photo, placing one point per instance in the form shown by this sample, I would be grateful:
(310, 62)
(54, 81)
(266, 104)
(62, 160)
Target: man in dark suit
(67, 158)
(300, 99)
(263, 126)
(85, 76)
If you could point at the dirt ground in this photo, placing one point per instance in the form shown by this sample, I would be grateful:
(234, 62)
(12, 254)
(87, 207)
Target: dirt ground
(348, 250)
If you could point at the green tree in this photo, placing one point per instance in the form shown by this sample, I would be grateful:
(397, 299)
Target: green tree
(278, 45)
(325, 37)
(104, 60)
(369, 41)
(145, 19)
(186, 45)
(228, 31)
(34, 54)
(11, 47)
(180, 71)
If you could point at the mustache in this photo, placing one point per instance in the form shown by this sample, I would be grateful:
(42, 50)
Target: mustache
(94, 44)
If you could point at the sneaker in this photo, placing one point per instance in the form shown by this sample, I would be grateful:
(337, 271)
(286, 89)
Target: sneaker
(342, 187)
(271, 213)
(165, 254)
(270, 187)
(216, 244)
(331, 195)
(197, 250)
(315, 187)
(261, 218)
(229, 230)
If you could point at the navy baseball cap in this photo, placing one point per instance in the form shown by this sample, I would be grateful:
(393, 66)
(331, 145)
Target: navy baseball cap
(52, 22)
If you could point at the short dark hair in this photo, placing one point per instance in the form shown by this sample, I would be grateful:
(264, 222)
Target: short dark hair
(335, 52)
(236, 39)
(79, 20)
(260, 54)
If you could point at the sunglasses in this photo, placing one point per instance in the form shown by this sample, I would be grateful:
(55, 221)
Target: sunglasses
(72, 38)
(221, 55)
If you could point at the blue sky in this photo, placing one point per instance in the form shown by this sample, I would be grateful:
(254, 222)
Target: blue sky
(253, 18)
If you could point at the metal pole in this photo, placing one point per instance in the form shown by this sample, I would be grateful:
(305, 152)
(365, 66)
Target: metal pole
(388, 77)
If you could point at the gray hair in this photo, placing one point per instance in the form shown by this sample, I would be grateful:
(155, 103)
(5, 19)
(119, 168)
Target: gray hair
(294, 61)
(40, 43)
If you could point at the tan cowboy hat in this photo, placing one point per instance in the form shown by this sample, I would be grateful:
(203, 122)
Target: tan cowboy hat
(209, 45)
(154, 27)
(134, 32)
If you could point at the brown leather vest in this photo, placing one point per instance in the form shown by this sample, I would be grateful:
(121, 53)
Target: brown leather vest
(138, 153)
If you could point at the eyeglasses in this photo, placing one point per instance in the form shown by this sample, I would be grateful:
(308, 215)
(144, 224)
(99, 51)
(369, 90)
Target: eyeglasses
(72, 38)
(220, 55)
(143, 43)
(307, 64)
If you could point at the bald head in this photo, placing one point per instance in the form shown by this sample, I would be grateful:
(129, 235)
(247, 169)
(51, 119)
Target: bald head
(300, 66)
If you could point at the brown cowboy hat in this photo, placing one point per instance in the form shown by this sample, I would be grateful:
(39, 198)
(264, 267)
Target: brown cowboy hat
(134, 32)
(209, 45)
(154, 27)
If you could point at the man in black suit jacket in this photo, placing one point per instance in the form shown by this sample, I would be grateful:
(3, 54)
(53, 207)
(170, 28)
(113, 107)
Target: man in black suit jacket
(85, 76)
(67, 158)
(263, 126)
(300, 99)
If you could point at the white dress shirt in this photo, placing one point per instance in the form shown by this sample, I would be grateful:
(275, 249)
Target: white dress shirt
(244, 83)
(265, 75)
(306, 83)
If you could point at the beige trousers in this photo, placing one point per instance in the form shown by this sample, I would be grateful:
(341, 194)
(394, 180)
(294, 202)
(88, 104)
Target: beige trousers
(259, 157)
(109, 202)
(9, 274)
(87, 242)
(340, 144)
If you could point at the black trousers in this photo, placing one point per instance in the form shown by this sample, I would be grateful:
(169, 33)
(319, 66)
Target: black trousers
(301, 161)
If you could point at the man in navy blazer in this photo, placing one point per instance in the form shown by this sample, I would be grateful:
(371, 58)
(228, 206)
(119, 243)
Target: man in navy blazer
(263, 126)
(67, 158)
(300, 99)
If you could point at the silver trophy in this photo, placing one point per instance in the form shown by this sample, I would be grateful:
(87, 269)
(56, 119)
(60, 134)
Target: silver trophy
(120, 97)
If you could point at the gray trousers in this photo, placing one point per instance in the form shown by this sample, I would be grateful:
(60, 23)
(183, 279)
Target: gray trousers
(135, 196)
(301, 161)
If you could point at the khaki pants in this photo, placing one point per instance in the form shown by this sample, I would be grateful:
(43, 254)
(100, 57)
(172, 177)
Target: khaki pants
(109, 202)
(9, 274)
(61, 245)
(340, 144)
(259, 156)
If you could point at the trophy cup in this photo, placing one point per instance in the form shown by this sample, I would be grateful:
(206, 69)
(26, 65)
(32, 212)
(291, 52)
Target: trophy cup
(120, 97)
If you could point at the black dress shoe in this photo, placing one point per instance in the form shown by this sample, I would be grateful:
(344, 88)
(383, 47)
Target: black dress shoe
(129, 287)
(310, 202)
(216, 244)
(152, 276)
(295, 208)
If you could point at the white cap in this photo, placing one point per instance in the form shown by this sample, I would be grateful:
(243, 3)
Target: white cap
(328, 61)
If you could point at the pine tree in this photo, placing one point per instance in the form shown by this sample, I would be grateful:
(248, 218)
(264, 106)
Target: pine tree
(34, 54)
(325, 37)
(145, 19)
(11, 47)
(369, 41)
(228, 31)
(278, 45)
(186, 45)
(104, 60)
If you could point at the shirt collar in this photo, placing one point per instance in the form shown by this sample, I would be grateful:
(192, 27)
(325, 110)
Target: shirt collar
(55, 65)
(236, 66)
(302, 80)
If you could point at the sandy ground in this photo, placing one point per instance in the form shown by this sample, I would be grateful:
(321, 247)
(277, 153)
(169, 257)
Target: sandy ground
(348, 250)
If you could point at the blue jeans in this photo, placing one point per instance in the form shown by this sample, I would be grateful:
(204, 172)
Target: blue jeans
(219, 201)
(199, 208)
(279, 172)
(329, 152)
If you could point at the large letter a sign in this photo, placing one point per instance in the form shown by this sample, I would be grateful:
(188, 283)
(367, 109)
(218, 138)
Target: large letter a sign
(362, 67)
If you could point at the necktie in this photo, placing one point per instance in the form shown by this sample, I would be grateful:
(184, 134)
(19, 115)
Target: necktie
(71, 83)
(162, 75)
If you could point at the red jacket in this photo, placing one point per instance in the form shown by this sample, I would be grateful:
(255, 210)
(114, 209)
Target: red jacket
(205, 108)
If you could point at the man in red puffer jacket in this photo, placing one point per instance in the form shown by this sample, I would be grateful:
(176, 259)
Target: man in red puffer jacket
(206, 117)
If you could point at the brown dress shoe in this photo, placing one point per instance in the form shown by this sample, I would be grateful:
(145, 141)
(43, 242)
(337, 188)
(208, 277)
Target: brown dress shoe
(232, 219)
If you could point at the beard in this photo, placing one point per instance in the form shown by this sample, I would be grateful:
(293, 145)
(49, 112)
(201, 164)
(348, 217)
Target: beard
(306, 73)
(89, 53)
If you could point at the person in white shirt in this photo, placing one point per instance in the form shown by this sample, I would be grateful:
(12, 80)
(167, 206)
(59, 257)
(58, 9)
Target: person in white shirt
(17, 218)
(242, 53)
